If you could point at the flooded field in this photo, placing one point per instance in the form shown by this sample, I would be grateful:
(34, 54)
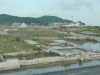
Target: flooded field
(85, 36)
(87, 45)
(60, 67)
(72, 51)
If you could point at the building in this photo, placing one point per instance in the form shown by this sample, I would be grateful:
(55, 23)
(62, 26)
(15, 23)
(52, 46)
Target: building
(76, 24)
(23, 25)
(16, 24)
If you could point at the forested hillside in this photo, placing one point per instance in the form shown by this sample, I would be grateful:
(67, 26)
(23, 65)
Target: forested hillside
(44, 20)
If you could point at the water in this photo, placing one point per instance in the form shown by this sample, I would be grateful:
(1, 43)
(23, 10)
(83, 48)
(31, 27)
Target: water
(72, 51)
(60, 41)
(87, 46)
(85, 36)
(80, 35)
(58, 67)
(51, 68)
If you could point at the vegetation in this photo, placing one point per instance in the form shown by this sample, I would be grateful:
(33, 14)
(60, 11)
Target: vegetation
(39, 54)
(43, 41)
(14, 41)
(44, 20)
(82, 39)
(1, 60)
(91, 30)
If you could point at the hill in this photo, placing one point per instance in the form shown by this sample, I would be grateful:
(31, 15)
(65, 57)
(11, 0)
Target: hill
(9, 19)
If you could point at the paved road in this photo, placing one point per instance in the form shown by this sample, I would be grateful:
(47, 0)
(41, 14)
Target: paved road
(81, 71)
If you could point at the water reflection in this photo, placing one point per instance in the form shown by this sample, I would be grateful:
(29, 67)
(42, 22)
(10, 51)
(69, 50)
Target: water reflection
(85, 36)
(51, 68)
(87, 45)
(72, 51)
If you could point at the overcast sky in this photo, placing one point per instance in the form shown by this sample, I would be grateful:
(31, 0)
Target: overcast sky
(87, 11)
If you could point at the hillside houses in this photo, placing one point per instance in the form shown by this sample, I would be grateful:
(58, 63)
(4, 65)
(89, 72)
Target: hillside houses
(21, 25)
(73, 24)
(56, 24)
(16, 24)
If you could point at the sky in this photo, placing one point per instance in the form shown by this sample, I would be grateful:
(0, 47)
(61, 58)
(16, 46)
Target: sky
(87, 11)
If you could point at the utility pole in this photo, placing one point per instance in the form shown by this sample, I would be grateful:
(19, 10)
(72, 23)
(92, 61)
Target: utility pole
(72, 19)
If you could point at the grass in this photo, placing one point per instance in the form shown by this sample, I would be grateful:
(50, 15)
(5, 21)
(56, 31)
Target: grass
(27, 47)
(95, 31)
(1, 60)
(83, 39)
(14, 42)
(39, 54)
(43, 41)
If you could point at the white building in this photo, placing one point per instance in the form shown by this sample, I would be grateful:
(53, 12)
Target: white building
(23, 25)
(4, 32)
(76, 24)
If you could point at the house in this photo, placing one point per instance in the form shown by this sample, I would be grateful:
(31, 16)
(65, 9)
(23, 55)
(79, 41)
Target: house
(56, 24)
(23, 25)
(16, 24)
(76, 24)
(32, 24)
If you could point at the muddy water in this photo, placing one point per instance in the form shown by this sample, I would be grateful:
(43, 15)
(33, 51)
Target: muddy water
(50, 68)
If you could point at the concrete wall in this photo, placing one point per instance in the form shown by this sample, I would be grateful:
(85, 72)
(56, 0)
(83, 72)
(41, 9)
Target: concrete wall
(9, 64)
(40, 60)
(15, 63)
(47, 60)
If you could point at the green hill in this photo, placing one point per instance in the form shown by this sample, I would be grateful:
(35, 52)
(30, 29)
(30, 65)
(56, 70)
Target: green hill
(9, 19)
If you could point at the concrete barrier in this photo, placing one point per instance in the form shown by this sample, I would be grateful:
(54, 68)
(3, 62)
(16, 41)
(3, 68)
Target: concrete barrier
(40, 61)
(15, 63)
(61, 48)
(47, 60)
(9, 64)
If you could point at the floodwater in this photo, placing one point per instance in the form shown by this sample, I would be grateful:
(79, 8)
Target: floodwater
(55, 67)
(87, 46)
(52, 68)
(85, 36)
(72, 51)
